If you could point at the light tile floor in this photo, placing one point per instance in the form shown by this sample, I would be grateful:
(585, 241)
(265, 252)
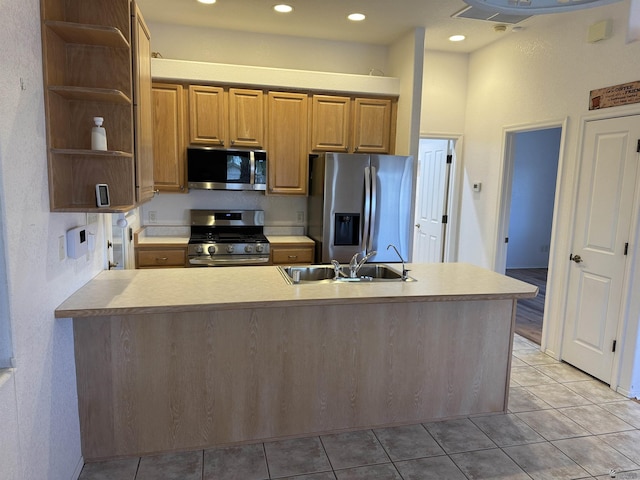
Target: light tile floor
(562, 424)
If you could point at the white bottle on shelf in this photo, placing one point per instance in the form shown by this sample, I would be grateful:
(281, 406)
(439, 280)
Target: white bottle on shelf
(98, 135)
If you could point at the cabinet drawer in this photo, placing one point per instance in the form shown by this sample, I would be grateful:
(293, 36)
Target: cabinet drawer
(161, 258)
(287, 255)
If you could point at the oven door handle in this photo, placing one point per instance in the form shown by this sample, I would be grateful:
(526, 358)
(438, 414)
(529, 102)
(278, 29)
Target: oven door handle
(218, 262)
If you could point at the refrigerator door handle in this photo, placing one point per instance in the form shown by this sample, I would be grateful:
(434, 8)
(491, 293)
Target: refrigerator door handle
(367, 208)
(372, 212)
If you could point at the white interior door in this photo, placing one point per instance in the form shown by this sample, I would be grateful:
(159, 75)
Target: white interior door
(431, 201)
(601, 230)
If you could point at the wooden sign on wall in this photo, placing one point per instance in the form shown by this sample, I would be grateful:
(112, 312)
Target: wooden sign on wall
(623, 94)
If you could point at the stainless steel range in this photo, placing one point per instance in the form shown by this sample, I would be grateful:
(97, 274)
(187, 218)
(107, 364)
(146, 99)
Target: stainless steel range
(227, 237)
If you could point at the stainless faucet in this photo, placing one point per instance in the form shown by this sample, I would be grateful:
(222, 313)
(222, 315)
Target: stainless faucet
(405, 272)
(355, 265)
(337, 268)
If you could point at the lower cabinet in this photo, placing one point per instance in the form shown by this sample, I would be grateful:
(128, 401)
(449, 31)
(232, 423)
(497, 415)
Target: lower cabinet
(155, 257)
(291, 253)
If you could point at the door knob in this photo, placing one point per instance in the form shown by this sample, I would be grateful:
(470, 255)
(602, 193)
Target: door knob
(575, 258)
(417, 225)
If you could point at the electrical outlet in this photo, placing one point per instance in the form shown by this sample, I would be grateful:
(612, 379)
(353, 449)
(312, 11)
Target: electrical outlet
(153, 216)
(300, 217)
(62, 249)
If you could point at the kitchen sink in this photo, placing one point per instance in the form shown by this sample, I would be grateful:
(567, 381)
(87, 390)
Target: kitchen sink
(326, 274)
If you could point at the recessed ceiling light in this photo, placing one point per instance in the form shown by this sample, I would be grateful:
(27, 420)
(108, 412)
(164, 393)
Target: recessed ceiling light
(282, 8)
(457, 38)
(208, 2)
(356, 17)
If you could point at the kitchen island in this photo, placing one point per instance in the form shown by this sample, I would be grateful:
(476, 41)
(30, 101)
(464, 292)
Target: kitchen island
(177, 359)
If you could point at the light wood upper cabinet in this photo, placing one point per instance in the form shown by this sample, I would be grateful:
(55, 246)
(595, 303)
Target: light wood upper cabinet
(354, 125)
(246, 118)
(331, 119)
(233, 118)
(169, 149)
(207, 115)
(287, 139)
(372, 125)
(142, 107)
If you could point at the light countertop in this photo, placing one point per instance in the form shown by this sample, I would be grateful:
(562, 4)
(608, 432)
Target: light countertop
(163, 240)
(115, 292)
(277, 239)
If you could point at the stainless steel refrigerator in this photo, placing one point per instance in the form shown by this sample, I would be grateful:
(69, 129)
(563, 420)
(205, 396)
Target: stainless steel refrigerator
(360, 203)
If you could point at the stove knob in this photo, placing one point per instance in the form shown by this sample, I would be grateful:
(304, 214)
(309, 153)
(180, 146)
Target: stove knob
(230, 249)
(211, 250)
(259, 248)
(247, 248)
(199, 249)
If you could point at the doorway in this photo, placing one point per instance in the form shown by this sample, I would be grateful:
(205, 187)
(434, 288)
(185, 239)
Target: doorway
(532, 162)
(434, 225)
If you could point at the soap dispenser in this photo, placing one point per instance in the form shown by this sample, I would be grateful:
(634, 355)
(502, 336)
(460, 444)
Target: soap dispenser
(98, 135)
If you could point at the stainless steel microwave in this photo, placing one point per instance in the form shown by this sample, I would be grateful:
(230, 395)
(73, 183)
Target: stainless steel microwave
(211, 168)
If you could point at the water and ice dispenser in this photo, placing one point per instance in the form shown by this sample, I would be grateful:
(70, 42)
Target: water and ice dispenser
(347, 229)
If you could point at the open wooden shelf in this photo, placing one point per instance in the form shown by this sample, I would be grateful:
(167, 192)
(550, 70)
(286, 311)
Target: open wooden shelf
(93, 208)
(88, 72)
(82, 34)
(84, 152)
(86, 94)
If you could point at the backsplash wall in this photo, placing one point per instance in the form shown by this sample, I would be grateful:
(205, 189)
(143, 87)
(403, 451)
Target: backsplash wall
(284, 215)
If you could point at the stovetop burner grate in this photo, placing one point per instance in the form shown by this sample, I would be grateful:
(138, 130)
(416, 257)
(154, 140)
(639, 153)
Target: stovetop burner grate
(226, 235)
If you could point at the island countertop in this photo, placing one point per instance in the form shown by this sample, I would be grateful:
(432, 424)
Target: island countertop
(119, 292)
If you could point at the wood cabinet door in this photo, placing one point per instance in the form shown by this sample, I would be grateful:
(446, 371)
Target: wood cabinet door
(246, 118)
(169, 150)
(143, 108)
(372, 125)
(288, 156)
(207, 119)
(161, 257)
(291, 253)
(330, 123)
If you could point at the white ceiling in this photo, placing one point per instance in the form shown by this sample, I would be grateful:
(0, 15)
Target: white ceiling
(387, 20)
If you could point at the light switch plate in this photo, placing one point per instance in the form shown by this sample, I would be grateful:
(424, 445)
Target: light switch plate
(477, 186)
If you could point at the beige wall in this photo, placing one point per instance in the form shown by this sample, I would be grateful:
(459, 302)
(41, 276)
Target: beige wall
(406, 58)
(539, 76)
(262, 50)
(444, 93)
